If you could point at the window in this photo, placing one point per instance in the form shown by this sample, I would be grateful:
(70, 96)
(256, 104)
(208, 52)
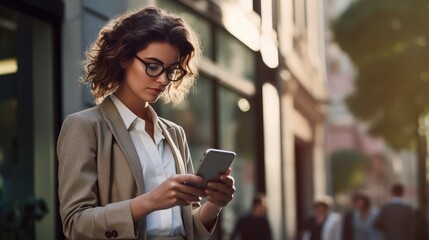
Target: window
(234, 56)
(199, 24)
(27, 126)
(8, 101)
(236, 126)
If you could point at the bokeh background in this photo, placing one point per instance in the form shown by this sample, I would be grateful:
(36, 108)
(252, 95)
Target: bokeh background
(316, 97)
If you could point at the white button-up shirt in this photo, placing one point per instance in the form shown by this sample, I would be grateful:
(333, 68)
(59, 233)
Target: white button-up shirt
(158, 164)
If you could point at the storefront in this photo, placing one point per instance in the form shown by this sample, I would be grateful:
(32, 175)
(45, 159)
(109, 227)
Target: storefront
(29, 110)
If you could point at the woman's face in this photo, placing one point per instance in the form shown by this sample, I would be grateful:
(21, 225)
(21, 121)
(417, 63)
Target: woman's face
(137, 85)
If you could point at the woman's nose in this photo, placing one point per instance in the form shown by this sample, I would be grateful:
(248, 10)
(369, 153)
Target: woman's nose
(163, 78)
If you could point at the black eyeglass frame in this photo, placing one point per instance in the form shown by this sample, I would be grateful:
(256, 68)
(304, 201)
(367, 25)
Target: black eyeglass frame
(147, 64)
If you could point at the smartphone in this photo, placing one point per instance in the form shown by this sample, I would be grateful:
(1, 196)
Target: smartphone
(214, 163)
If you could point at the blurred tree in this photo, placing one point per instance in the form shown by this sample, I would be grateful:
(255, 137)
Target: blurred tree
(349, 167)
(387, 40)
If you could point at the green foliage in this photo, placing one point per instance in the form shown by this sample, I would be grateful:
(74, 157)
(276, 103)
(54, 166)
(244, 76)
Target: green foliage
(388, 41)
(349, 168)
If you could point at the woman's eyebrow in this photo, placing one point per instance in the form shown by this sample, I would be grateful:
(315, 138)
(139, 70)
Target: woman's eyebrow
(161, 62)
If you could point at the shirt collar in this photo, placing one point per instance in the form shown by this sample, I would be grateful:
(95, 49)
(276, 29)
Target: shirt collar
(158, 136)
(129, 117)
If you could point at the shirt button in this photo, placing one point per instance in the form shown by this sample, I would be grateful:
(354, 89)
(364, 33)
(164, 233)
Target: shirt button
(114, 233)
(108, 235)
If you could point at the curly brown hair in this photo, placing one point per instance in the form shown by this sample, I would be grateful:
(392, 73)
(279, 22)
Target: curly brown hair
(124, 36)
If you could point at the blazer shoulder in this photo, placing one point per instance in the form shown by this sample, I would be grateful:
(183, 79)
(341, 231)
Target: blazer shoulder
(86, 120)
(91, 114)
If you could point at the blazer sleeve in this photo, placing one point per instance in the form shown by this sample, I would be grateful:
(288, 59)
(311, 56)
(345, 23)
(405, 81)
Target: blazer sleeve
(81, 214)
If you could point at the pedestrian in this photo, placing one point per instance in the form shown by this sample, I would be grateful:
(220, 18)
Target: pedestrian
(421, 229)
(324, 224)
(396, 218)
(358, 222)
(122, 168)
(254, 225)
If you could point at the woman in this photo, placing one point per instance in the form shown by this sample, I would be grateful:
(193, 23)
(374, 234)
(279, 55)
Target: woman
(122, 169)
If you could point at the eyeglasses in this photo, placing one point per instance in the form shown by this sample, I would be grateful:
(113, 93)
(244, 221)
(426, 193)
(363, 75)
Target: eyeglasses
(174, 73)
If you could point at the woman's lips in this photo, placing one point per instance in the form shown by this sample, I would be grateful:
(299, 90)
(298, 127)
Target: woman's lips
(156, 90)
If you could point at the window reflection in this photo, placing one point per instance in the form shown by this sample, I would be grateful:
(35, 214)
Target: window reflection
(7, 33)
(235, 56)
(8, 137)
(8, 101)
(236, 128)
(27, 125)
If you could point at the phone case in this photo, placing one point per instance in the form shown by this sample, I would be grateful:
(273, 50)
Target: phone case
(214, 163)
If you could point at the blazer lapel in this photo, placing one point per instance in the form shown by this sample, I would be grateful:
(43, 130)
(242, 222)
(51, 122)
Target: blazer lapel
(169, 135)
(122, 136)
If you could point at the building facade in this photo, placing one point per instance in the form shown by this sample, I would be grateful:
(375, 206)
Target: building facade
(261, 92)
(303, 95)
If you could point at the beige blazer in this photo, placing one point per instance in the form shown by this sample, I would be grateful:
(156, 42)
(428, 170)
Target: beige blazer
(99, 172)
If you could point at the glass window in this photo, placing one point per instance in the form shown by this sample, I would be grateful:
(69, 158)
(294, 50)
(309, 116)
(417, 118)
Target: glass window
(8, 101)
(236, 126)
(199, 24)
(234, 56)
(195, 115)
(44, 137)
(7, 34)
(8, 109)
(27, 159)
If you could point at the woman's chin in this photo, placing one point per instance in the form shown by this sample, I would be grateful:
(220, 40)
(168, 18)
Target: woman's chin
(155, 100)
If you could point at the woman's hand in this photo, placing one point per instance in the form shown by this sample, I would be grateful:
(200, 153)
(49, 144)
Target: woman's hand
(219, 194)
(170, 193)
